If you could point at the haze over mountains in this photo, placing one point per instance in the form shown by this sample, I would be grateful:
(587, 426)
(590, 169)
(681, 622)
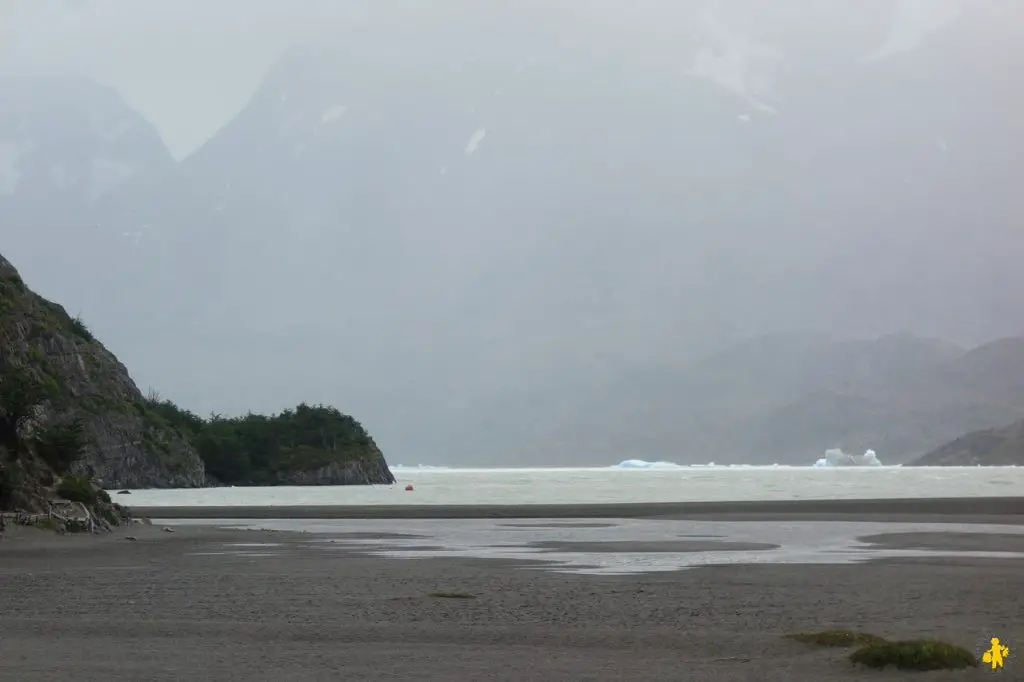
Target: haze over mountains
(526, 234)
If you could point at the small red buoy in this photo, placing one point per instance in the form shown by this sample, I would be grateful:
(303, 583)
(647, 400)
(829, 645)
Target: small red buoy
(409, 487)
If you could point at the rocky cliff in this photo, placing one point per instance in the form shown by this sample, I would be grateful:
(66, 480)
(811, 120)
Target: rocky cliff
(990, 447)
(127, 444)
(304, 445)
(368, 470)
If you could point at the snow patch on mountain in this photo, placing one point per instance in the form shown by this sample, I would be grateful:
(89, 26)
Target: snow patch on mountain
(475, 140)
(734, 62)
(915, 20)
(334, 113)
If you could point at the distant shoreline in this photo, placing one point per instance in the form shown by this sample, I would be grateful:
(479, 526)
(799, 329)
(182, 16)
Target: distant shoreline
(959, 509)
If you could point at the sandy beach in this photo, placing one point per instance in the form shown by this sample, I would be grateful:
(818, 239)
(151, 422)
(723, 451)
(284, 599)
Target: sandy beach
(175, 606)
(954, 509)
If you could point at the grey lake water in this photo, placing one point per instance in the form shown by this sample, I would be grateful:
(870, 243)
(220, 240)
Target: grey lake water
(618, 485)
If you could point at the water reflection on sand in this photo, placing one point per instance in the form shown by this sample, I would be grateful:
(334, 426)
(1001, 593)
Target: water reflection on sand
(616, 547)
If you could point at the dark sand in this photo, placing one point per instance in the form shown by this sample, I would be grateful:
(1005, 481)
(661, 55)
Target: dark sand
(966, 510)
(83, 609)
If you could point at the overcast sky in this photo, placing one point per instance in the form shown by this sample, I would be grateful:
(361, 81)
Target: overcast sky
(202, 58)
(190, 65)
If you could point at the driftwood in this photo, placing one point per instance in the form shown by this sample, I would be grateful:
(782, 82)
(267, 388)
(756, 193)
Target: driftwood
(22, 518)
(63, 515)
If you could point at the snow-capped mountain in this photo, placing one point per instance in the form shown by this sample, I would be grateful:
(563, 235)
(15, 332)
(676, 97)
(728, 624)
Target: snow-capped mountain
(495, 203)
(67, 145)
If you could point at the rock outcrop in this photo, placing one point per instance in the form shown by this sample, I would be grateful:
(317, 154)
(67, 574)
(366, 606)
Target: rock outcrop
(372, 469)
(305, 445)
(990, 447)
(128, 445)
(74, 505)
(131, 441)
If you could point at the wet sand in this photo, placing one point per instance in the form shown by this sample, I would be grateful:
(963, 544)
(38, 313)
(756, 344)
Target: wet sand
(170, 607)
(672, 546)
(965, 510)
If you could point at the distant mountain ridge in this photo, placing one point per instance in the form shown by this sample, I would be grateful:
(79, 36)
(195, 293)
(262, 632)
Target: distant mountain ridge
(419, 224)
(781, 399)
(67, 147)
(1002, 446)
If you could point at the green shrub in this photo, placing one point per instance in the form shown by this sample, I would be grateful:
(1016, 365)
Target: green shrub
(78, 488)
(110, 516)
(49, 523)
(60, 445)
(12, 281)
(914, 655)
(76, 526)
(79, 329)
(258, 449)
(12, 478)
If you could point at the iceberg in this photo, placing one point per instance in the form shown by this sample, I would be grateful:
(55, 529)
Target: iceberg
(643, 464)
(835, 457)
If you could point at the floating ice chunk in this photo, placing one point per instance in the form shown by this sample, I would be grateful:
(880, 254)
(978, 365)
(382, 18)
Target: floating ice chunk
(632, 464)
(835, 457)
(643, 464)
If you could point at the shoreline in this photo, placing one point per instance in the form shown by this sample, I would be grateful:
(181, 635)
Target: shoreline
(964, 509)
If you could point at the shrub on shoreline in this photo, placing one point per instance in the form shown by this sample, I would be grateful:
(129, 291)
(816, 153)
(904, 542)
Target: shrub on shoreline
(875, 652)
(920, 655)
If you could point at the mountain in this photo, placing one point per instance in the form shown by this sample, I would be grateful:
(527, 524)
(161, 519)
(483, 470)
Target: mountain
(66, 146)
(1002, 446)
(125, 444)
(900, 410)
(780, 399)
(437, 226)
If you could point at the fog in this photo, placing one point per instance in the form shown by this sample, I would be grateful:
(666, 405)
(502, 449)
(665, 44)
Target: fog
(468, 223)
(191, 65)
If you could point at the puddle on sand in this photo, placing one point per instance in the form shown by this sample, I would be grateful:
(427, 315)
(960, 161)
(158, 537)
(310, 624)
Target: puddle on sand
(241, 554)
(603, 548)
(254, 544)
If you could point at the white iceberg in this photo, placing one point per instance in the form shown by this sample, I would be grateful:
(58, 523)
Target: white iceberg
(644, 464)
(835, 457)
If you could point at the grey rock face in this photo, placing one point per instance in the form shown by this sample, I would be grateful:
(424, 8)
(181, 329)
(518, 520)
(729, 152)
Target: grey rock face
(130, 446)
(1003, 446)
(367, 471)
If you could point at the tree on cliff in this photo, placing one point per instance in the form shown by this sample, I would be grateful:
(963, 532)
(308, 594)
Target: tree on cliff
(257, 448)
(56, 446)
(20, 395)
